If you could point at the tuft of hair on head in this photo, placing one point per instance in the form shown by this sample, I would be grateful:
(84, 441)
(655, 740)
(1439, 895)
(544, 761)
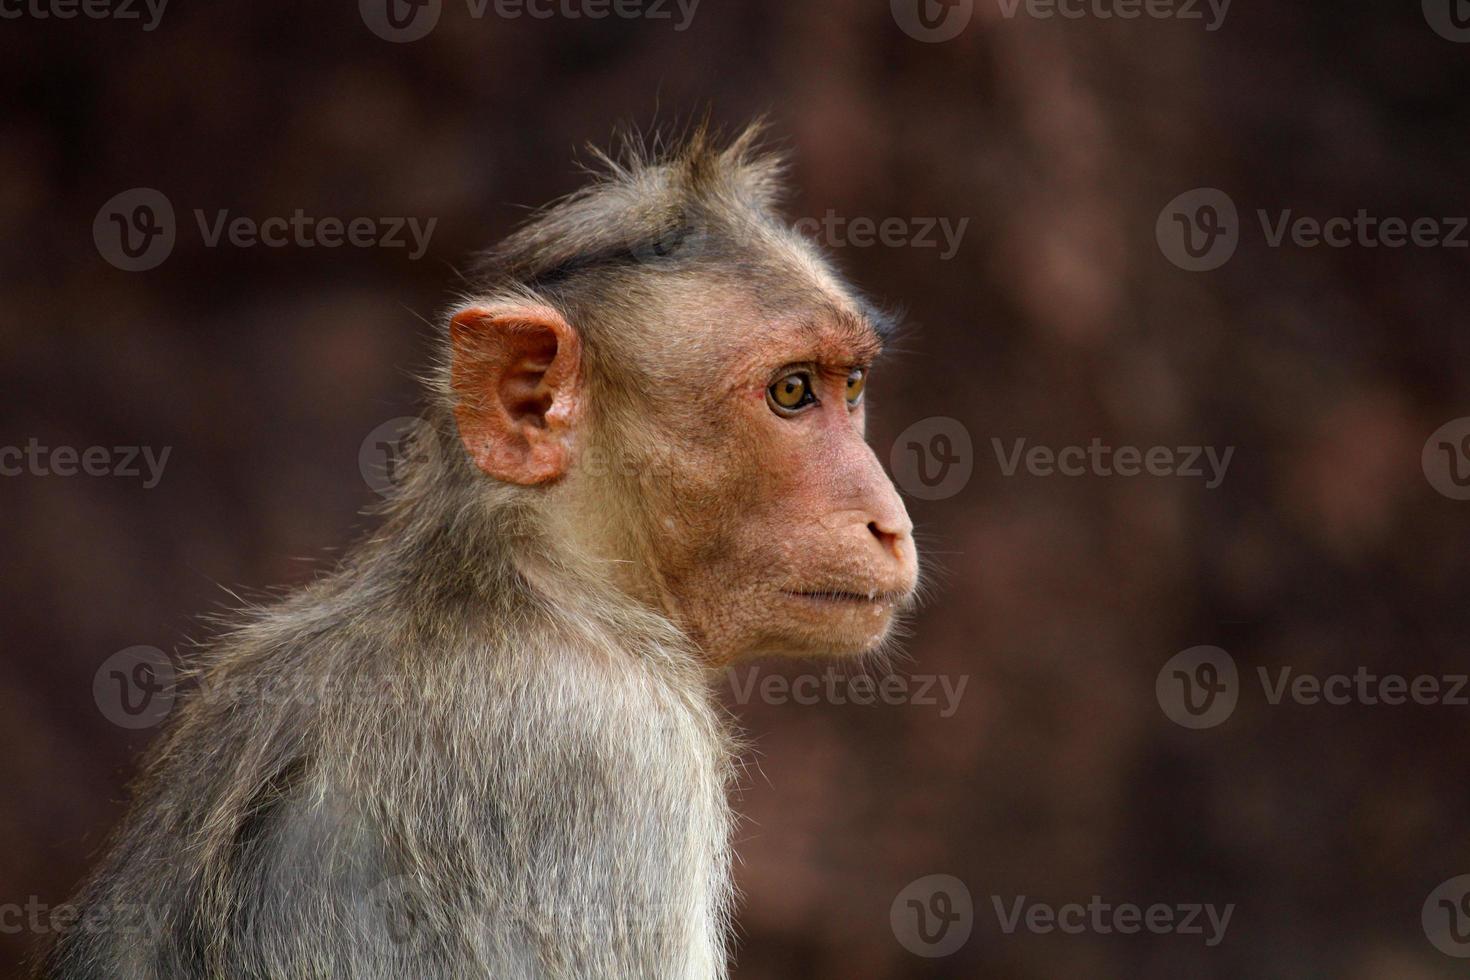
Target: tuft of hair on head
(647, 191)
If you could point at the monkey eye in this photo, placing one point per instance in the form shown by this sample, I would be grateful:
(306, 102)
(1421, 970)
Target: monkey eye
(857, 380)
(792, 392)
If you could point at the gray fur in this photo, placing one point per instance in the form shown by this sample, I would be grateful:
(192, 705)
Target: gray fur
(423, 765)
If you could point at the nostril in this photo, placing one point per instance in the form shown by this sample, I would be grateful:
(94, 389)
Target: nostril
(887, 540)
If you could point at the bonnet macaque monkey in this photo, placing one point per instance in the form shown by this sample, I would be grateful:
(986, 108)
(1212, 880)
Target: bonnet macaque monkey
(487, 746)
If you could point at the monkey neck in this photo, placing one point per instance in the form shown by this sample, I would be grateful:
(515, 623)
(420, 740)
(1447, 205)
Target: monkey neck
(454, 542)
(492, 554)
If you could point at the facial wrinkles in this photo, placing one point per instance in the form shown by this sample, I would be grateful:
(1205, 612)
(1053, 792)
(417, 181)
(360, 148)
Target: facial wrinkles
(830, 350)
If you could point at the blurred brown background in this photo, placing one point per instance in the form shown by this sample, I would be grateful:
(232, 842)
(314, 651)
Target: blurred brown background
(1059, 319)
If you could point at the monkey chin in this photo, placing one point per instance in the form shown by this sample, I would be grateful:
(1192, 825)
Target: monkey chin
(837, 623)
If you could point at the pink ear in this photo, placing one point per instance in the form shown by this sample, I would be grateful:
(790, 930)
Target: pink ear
(516, 375)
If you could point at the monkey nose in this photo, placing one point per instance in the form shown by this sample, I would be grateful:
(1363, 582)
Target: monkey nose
(890, 539)
(894, 532)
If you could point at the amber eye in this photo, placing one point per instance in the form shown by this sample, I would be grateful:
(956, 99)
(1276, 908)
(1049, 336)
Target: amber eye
(856, 382)
(792, 392)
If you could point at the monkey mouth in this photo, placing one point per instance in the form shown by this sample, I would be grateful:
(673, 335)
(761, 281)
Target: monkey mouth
(876, 597)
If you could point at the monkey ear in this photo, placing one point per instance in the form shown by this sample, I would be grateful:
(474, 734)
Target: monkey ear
(517, 381)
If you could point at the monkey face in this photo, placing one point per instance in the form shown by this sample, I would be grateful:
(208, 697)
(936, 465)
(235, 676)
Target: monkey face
(770, 524)
(721, 476)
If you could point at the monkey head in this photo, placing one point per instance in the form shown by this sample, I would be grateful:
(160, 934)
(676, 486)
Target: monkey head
(679, 383)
